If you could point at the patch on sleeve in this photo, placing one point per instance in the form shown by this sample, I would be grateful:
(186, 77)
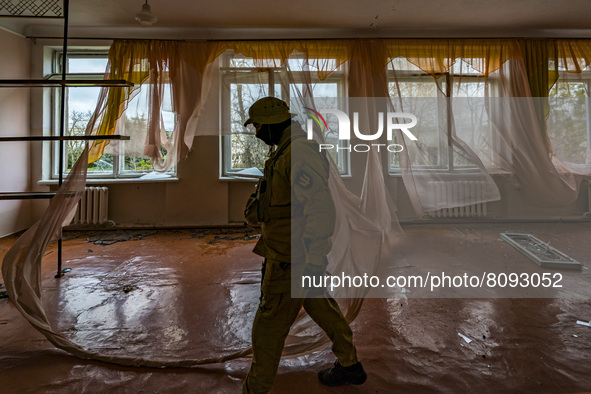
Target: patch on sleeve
(304, 180)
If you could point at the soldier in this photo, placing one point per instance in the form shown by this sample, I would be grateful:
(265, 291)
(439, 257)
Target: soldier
(294, 206)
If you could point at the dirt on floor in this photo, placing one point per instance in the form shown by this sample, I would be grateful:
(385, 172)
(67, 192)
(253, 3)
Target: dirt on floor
(193, 293)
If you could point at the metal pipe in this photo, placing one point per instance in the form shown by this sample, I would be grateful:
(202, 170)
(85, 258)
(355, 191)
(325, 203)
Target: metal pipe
(62, 127)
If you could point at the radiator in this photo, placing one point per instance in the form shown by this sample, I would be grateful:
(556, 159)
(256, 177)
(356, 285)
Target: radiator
(467, 193)
(93, 207)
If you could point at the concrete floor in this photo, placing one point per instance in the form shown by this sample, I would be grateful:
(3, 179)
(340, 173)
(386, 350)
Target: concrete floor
(191, 293)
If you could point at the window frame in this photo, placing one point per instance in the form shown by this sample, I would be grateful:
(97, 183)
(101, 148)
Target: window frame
(583, 77)
(276, 80)
(118, 171)
(444, 83)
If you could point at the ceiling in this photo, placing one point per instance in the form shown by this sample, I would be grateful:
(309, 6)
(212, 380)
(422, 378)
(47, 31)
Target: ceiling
(239, 19)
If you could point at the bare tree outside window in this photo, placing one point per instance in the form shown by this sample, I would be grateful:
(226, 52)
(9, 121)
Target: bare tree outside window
(247, 150)
(567, 123)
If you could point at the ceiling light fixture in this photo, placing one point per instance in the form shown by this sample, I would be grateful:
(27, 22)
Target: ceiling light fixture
(145, 16)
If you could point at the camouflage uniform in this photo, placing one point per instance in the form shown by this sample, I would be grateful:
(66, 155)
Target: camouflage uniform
(295, 209)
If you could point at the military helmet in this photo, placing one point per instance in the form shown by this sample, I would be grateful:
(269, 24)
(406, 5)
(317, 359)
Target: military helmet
(268, 110)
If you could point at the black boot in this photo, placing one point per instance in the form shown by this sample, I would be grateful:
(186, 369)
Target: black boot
(339, 375)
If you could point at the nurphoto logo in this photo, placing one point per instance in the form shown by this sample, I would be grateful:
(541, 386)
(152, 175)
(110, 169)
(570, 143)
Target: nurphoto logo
(391, 119)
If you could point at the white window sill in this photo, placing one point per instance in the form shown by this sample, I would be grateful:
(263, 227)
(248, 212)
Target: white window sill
(467, 171)
(101, 181)
(228, 178)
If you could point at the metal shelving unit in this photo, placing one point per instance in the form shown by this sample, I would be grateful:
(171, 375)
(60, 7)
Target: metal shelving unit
(26, 195)
(52, 83)
(40, 9)
(65, 138)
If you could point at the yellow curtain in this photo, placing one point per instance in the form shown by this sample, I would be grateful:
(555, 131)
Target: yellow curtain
(128, 60)
(542, 75)
(573, 55)
(135, 61)
(436, 56)
(544, 59)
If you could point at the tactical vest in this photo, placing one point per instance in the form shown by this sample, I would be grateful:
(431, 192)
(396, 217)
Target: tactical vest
(258, 208)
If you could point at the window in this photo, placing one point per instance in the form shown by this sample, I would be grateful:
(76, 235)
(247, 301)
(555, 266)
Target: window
(243, 84)
(429, 98)
(81, 103)
(569, 120)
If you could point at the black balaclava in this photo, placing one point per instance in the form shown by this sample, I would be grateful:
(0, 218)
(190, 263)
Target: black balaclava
(271, 134)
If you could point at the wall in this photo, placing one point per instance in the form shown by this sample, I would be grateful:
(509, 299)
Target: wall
(197, 198)
(15, 157)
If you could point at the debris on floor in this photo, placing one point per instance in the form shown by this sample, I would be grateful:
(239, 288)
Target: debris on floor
(540, 252)
(3, 294)
(206, 306)
(582, 323)
(222, 231)
(219, 238)
(465, 338)
(109, 238)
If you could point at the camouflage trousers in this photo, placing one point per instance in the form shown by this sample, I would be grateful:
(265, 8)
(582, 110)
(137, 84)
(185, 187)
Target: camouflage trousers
(276, 313)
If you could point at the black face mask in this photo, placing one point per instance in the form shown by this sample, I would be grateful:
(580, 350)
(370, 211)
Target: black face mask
(264, 134)
(268, 134)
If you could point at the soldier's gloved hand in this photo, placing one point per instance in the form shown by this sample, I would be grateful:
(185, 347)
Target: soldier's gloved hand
(316, 273)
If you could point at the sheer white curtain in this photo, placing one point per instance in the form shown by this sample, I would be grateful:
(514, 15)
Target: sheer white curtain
(449, 163)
